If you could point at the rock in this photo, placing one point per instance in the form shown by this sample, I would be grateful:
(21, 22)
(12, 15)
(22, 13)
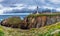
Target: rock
(44, 20)
(40, 21)
(11, 22)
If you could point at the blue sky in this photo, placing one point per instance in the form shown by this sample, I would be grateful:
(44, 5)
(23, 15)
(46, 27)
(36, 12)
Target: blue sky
(9, 5)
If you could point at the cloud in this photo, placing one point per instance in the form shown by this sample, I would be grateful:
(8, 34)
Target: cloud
(1, 6)
(1, 11)
(32, 7)
(43, 1)
(47, 7)
(55, 1)
(58, 9)
(4, 9)
(1, 0)
(8, 9)
(19, 5)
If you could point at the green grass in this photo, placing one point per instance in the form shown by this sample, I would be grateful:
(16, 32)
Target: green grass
(36, 15)
(51, 30)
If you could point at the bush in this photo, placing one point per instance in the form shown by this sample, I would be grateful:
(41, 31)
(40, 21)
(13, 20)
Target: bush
(14, 20)
(1, 32)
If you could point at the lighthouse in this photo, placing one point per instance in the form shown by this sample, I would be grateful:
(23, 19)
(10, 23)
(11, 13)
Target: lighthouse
(37, 10)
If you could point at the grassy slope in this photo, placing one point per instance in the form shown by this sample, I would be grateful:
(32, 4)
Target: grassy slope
(35, 15)
(51, 30)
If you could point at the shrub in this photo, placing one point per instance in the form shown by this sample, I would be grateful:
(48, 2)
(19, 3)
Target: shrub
(1, 32)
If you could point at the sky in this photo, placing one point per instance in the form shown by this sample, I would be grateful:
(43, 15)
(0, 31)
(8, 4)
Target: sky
(10, 5)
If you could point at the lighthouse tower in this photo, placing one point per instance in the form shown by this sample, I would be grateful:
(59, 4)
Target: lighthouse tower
(37, 10)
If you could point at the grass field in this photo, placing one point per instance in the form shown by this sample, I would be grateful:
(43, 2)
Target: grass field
(51, 30)
(35, 15)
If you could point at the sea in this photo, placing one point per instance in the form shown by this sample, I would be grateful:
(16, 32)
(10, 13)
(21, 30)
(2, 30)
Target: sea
(2, 17)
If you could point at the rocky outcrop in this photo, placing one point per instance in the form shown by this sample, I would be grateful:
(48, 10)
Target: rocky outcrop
(30, 22)
(11, 22)
(40, 21)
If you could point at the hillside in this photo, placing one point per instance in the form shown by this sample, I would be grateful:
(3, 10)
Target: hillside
(31, 21)
(51, 30)
(40, 20)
